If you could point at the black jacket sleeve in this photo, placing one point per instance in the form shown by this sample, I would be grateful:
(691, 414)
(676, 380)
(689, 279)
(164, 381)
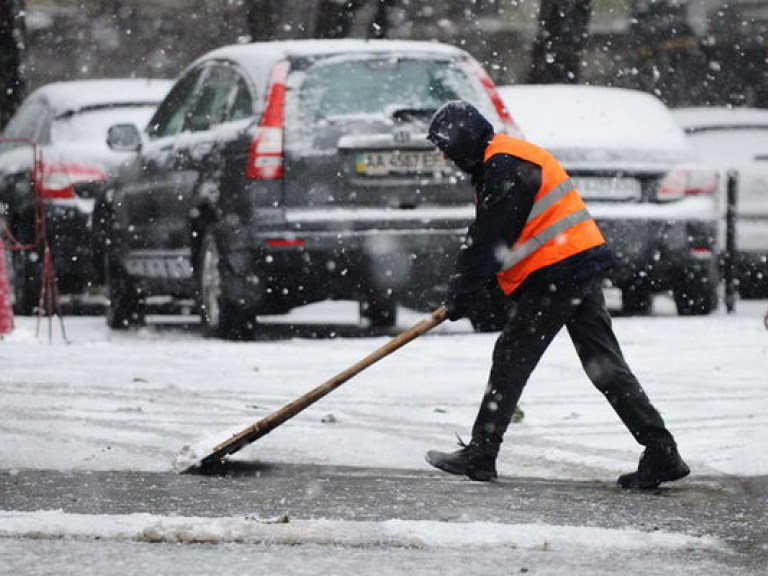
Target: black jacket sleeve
(506, 187)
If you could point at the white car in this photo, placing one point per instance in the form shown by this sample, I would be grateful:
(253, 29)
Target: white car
(657, 207)
(67, 122)
(737, 139)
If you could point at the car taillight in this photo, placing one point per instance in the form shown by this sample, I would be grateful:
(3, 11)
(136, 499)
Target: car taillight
(265, 155)
(686, 181)
(285, 242)
(510, 127)
(57, 179)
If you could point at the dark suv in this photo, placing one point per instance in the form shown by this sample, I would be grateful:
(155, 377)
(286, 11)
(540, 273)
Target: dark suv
(279, 174)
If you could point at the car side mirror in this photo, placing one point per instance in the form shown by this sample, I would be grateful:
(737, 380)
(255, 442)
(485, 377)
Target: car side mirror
(124, 138)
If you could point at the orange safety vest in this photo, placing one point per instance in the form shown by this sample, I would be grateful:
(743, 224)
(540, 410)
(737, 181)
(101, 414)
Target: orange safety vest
(559, 224)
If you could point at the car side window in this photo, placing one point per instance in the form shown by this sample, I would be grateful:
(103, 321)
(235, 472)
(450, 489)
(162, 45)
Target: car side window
(170, 115)
(213, 97)
(242, 105)
(32, 121)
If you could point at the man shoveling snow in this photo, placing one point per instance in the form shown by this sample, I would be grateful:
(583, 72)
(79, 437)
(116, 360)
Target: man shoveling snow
(533, 238)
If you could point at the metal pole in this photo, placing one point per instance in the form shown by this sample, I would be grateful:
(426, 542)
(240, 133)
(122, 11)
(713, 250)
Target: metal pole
(729, 271)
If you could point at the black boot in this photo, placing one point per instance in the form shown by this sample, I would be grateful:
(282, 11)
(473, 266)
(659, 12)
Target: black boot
(473, 460)
(660, 463)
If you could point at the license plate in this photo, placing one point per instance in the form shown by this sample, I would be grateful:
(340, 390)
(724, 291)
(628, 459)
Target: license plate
(608, 188)
(386, 163)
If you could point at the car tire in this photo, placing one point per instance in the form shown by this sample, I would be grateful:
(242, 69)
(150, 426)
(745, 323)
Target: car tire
(220, 315)
(751, 290)
(636, 301)
(380, 310)
(752, 279)
(125, 304)
(26, 267)
(696, 294)
(101, 223)
(11, 272)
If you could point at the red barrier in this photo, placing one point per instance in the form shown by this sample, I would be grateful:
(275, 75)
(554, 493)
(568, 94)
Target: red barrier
(49, 294)
(6, 308)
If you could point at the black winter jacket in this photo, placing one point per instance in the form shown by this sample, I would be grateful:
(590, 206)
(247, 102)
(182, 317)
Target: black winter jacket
(505, 188)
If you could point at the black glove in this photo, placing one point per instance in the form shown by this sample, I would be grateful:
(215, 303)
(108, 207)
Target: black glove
(459, 301)
(457, 306)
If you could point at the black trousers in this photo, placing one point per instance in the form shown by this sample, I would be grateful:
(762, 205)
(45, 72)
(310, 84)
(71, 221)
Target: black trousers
(534, 320)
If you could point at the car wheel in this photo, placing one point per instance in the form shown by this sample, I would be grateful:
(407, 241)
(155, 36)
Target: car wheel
(125, 305)
(749, 290)
(25, 272)
(636, 300)
(752, 280)
(696, 295)
(220, 315)
(100, 225)
(11, 274)
(380, 310)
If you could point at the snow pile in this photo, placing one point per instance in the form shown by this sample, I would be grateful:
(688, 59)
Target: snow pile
(56, 524)
(193, 454)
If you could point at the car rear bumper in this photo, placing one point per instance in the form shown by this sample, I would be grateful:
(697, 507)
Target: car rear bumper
(657, 253)
(411, 253)
(311, 259)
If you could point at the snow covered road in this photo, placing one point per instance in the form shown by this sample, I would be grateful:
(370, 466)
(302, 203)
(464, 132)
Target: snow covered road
(130, 401)
(125, 403)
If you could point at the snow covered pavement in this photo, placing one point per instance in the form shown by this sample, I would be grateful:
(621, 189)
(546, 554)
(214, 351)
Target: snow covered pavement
(125, 403)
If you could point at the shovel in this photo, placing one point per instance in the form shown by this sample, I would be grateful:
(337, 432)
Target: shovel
(211, 451)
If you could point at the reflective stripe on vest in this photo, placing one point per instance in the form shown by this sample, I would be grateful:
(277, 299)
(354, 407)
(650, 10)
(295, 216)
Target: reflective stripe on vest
(522, 251)
(550, 198)
(559, 224)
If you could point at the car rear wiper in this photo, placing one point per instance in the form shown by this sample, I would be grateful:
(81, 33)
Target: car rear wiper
(410, 114)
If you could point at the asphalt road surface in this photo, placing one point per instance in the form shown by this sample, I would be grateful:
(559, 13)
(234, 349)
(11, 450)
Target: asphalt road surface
(731, 509)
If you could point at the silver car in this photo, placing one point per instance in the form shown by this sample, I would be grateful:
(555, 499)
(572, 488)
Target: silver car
(658, 208)
(737, 139)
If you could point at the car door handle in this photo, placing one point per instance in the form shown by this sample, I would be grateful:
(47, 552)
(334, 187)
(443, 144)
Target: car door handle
(160, 162)
(200, 151)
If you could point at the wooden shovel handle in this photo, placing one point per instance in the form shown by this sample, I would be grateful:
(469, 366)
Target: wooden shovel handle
(291, 409)
(273, 420)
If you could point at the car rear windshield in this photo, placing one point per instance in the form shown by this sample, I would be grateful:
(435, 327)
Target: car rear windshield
(91, 125)
(365, 86)
(732, 144)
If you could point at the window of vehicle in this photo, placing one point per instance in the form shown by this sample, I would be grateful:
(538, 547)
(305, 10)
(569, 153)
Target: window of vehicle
(733, 143)
(346, 87)
(30, 122)
(242, 106)
(212, 99)
(170, 115)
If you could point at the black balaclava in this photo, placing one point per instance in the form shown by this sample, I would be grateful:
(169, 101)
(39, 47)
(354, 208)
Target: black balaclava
(462, 132)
